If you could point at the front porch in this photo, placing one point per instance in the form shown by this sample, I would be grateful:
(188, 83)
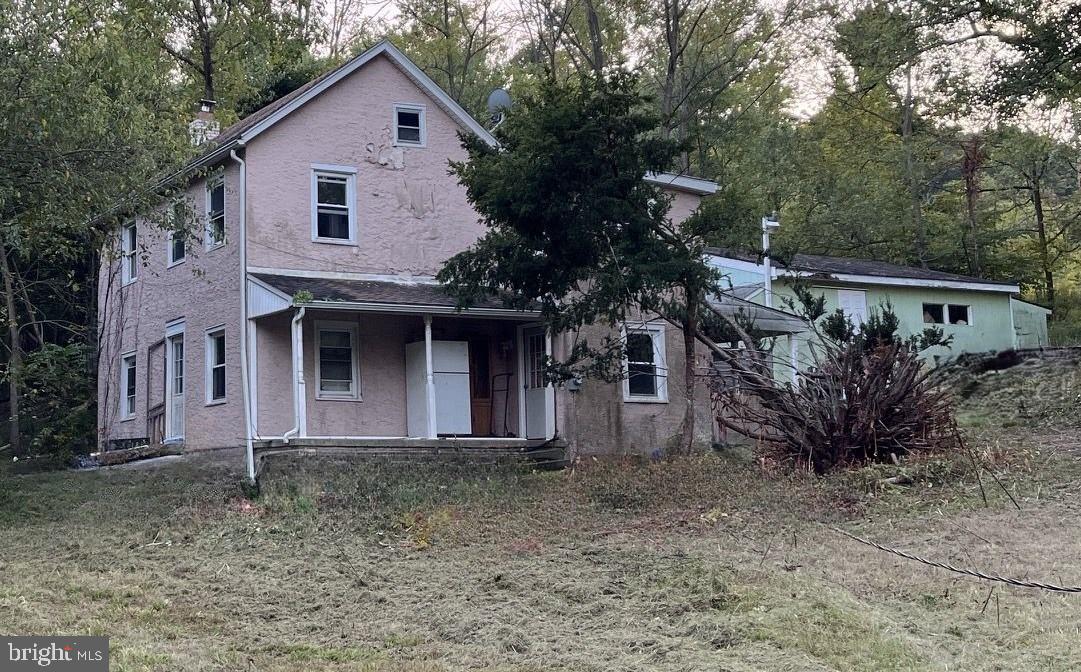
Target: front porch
(371, 367)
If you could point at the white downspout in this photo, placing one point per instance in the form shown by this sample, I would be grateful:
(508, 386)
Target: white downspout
(249, 450)
(769, 224)
(297, 340)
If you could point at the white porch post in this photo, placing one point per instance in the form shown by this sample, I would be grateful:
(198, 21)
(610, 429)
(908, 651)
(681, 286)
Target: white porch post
(429, 378)
(549, 394)
(301, 391)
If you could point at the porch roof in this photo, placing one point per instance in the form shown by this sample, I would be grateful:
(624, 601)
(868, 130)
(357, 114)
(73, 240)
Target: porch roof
(379, 295)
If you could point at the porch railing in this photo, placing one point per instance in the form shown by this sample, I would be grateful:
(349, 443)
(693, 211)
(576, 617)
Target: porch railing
(155, 424)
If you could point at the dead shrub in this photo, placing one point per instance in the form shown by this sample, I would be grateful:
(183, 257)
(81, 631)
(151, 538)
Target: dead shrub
(867, 396)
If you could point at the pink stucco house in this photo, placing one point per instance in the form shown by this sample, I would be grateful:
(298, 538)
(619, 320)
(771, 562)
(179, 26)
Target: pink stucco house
(308, 314)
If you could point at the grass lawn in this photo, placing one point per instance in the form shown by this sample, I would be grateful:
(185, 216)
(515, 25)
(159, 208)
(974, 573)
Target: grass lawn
(707, 563)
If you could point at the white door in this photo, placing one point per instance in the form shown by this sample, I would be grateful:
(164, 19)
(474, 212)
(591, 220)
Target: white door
(853, 303)
(174, 390)
(535, 393)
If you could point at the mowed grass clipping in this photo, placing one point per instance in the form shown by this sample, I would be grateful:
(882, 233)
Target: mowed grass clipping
(716, 562)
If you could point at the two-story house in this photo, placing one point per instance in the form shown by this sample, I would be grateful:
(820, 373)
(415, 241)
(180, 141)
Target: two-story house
(308, 314)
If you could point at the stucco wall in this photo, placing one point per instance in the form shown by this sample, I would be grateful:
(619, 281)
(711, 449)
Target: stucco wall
(203, 291)
(411, 216)
(596, 420)
(381, 408)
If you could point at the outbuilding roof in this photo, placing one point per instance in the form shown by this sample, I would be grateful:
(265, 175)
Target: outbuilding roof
(822, 265)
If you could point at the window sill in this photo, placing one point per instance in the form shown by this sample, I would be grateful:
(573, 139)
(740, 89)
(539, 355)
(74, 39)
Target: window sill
(643, 400)
(128, 282)
(216, 402)
(334, 241)
(415, 145)
(127, 418)
(325, 397)
(175, 263)
(214, 246)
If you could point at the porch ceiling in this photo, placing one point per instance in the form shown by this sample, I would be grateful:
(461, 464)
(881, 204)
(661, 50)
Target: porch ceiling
(376, 295)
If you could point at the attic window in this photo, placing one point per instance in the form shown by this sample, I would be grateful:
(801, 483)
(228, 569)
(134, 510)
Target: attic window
(409, 125)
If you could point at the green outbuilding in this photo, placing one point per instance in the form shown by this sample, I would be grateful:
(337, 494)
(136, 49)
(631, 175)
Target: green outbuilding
(981, 315)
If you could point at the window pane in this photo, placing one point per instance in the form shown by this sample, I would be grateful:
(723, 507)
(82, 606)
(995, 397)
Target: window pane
(178, 367)
(333, 224)
(217, 198)
(958, 315)
(409, 118)
(217, 229)
(933, 313)
(640, 348)
(332, 191)
(178, 251)
(131, 237)
(408, 134)
(335, 339)
(643, 379)
(218, 342)
(218, 382)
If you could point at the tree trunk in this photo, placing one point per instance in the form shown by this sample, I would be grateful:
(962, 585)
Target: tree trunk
(1041, 237)
(907, 115)
(970, 168)
(15, 356)
(690, 341)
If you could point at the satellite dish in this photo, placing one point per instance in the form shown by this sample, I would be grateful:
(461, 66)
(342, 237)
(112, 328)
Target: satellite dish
(498, 102)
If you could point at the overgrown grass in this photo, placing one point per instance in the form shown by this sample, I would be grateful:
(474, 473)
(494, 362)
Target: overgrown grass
(703, 563)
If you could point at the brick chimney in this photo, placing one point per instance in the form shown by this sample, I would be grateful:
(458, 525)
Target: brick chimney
(204, 128)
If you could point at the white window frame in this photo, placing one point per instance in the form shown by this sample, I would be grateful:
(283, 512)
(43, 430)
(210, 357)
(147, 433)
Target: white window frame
(208, 236)
(129, 261)
(127, 413)
(946, 314)
(656, 333)
(421, 111)
(349, 174)
(354, 342)
(209, 366)
(169, 260)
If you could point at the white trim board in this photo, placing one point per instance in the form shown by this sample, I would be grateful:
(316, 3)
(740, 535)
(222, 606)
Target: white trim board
(419, 309)
(693, 185)
(344, 275)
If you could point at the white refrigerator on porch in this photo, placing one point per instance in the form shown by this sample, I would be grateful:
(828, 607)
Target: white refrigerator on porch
(450, 365)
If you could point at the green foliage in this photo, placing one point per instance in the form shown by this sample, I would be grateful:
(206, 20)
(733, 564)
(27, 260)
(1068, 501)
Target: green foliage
(572, 227)
(59, 409)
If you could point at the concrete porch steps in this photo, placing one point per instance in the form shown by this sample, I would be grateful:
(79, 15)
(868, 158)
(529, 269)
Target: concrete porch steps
(550, 454)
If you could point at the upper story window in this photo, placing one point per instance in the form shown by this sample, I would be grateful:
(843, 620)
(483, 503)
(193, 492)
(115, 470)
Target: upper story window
(127, 386)
(409, 125)
(129, 260)
(334, 217)
(215, 212)
(947, 313)
(176, 243)
(645, 372)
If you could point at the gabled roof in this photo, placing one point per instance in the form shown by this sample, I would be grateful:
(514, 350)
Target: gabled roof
(255, 123)
(867, 271)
